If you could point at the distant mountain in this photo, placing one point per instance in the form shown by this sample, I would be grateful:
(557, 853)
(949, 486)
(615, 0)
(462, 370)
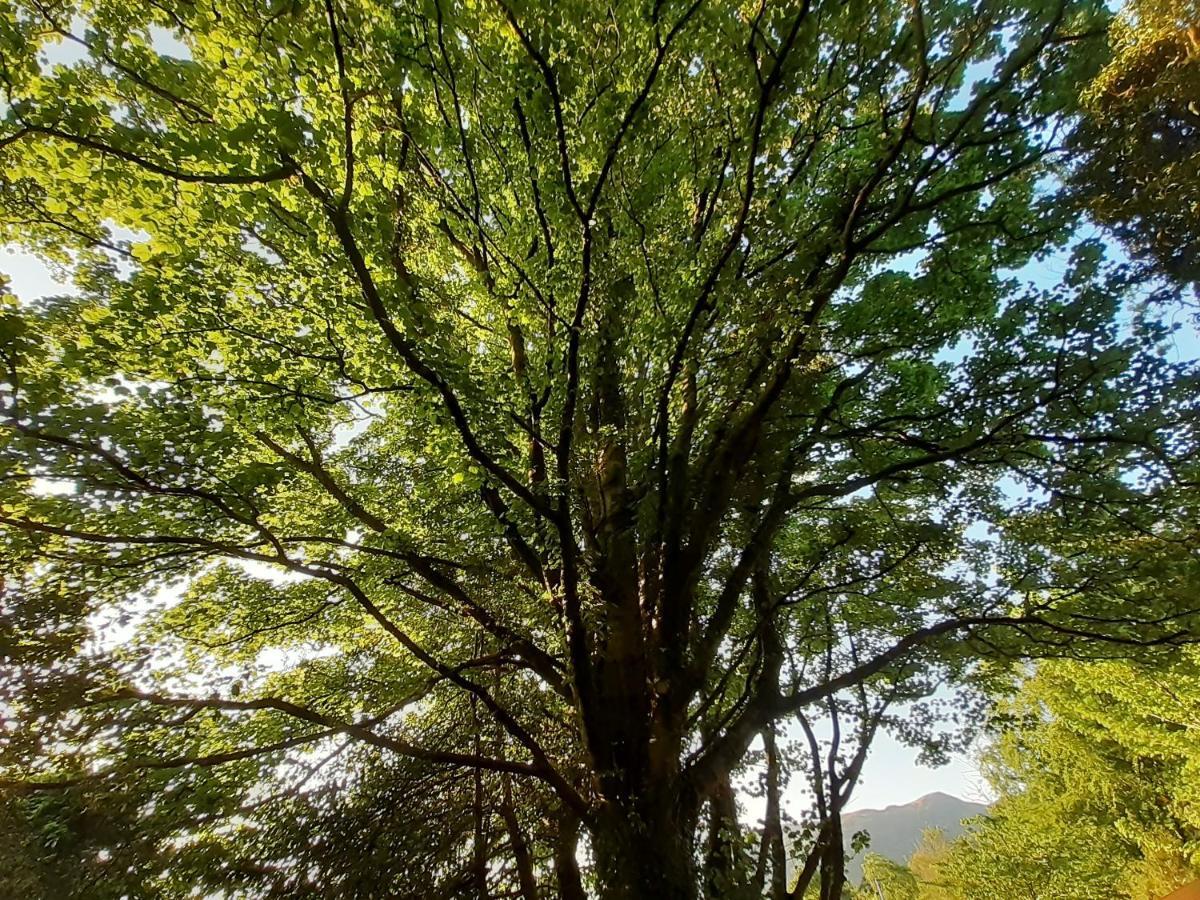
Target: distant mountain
(896, 830)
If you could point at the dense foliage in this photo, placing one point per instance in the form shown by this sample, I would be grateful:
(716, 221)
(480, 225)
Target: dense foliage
(483, 433)
(1140, 168)
(1097, 768)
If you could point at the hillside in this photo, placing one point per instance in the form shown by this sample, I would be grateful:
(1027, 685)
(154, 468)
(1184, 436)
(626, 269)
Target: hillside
(896, 830)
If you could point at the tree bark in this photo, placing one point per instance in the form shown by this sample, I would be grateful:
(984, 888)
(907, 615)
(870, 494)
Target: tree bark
(723, 877)
(566, 866)
(643, 847)
(772, 853)
(520, 846)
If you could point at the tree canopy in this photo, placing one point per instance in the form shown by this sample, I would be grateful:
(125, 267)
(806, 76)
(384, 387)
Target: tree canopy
(481, 432)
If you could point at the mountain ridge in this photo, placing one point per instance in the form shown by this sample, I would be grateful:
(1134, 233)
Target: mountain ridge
(925, 800)
(896, 830)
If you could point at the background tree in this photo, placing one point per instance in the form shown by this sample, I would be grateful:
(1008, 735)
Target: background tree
(926, 864)
(1096, 768)
(1140, 143)
(1094, 765)
(496, 417)
(887, 880)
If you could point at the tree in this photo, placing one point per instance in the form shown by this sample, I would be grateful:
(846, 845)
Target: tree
(1140, 144)
(1095, 764)
(887, 880)
(926, 863)
(498, 417)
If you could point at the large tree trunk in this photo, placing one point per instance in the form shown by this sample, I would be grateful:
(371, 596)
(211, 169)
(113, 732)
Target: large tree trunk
(643, 847)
